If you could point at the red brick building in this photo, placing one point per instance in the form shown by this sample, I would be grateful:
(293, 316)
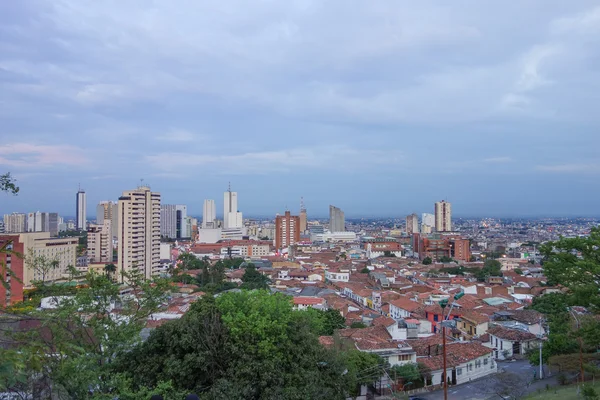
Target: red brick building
(287, 230)
(461, 249)
(15, 264)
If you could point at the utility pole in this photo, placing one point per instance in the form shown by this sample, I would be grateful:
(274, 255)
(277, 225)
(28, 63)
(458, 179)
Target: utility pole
(541, 365)
(580, 346)
(443, 304)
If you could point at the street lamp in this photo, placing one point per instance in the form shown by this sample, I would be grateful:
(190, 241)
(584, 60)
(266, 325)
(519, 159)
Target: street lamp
(443, 304)
(580, 344)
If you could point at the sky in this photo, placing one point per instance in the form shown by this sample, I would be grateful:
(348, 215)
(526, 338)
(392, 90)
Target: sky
(380, 108)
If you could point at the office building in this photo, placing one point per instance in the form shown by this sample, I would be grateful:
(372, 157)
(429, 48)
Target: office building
(15, 223)
(139, 233)
(232, 218)
(99, 242)
(209, 215)
(41, 251)
(412, 224)
(337, 221)
(38, 222)
(427, 223)
(287, 230)
(302, 216)
(443, 216)
(108, 211)
(461, 249)
(174, 222)
(81, 211)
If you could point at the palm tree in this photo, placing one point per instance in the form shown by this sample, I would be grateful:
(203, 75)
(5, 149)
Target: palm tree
(110, 269)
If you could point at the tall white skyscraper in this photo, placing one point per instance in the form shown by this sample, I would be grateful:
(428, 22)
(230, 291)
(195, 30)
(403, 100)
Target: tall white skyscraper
(337, 220)
(81, 211)
(139, 232)
(443, 216)
(209, 214)
(232, 218)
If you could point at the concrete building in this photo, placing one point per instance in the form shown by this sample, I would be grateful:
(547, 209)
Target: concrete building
(139, 232)
(100, 244)
(287, 230)
(427, 223)
(412, 224)
(42, 222)
(41, 249)
(337, 221)
(174, 222)
(11, 290)
(302, 216)
(461, 249)
(209, 215)
(81, 211)
(443, 216)
(15, 223)
(333, 237)
(232, 218)
(108, 210)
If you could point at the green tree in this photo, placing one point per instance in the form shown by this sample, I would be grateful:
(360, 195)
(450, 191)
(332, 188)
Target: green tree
(518, 271)
(490, 268)
(358, 325)
(445, 259)
(575, 264)
(252, 279)
(188, 261)
(7, 184)
(332, 321)
(363, 369)
(427, 261)
(75, 345)
(365, 270)
(247, 345)
(109, 270)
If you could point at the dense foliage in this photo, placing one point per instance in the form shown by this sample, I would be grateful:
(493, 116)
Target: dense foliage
(247, 345)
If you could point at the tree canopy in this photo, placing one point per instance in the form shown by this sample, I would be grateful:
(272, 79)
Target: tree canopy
(8, 184)
(252, 279)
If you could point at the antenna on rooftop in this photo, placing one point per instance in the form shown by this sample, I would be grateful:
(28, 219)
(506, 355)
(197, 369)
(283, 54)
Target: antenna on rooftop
(229, 187)
(302, 208)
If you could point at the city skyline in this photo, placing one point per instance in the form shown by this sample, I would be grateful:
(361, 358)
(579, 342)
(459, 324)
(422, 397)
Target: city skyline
(489, 105)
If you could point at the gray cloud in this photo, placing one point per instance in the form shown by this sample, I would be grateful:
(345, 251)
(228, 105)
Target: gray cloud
(350, 93)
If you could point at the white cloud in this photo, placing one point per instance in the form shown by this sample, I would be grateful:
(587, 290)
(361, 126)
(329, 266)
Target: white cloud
(289, 160)
(571, 168)
(27, 155)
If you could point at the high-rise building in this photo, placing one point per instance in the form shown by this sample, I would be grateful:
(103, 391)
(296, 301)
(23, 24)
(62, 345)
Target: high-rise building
(209, 214)
(174, 223)
(427, 223)
(287, 230)
(15, 223)
(337, 221)
(81, 211)
(232, 218)
(302, 216)
(139, 232)
(53, 221)
(412, 224)
(99, 242)
(443, 216)
(38, 222)
(108, 211)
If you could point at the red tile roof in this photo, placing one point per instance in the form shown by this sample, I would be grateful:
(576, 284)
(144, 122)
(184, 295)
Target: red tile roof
(511, 334)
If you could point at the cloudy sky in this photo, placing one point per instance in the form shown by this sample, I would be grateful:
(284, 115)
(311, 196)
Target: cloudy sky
(380, 108)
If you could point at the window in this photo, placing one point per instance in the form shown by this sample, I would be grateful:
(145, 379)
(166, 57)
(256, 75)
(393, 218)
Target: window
(496, 342)
(485, 361)
(435, 317)
(458, 371)
(501, 342)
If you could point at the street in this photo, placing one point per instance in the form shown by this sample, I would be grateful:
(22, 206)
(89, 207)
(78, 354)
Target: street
(480, 390)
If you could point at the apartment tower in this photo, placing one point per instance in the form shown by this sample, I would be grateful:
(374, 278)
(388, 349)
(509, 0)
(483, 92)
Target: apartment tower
(81, 211)
(100, 245)
(15, 223)
(412, 224)
(139, 232)
(287, 230)
(337, 221)
(443, 216)
(209, 214)
(108, 211)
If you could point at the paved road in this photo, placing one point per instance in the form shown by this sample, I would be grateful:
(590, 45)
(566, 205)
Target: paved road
(479, 389)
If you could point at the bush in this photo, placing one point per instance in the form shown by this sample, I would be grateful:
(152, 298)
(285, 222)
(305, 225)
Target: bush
(589, 393)
(562, 379)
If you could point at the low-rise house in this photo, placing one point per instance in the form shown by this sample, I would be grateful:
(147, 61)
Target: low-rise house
(377, 340)
(304, 302)
(530, 319)
(465, 361)
(335, 275)
(472, 323)
(403, 307)
(508, 343)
